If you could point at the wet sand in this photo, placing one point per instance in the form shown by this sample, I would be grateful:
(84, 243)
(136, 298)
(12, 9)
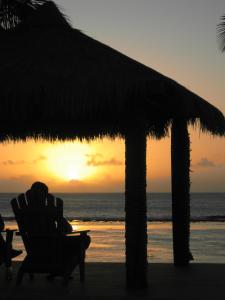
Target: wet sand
(107, 281)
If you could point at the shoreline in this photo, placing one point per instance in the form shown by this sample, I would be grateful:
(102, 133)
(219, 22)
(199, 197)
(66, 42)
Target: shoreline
(207, 219)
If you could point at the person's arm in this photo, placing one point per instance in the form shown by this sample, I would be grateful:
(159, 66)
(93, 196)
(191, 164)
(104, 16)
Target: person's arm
(64, 226)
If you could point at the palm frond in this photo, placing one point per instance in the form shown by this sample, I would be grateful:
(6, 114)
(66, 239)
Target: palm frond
(13, 12)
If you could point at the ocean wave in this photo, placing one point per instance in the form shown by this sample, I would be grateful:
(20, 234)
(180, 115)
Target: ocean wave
(150, 219)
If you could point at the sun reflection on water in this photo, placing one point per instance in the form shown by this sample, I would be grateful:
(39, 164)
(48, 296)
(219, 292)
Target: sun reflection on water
(108, 241)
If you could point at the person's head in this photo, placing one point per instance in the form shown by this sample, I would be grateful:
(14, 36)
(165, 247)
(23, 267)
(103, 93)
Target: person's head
(39, 188)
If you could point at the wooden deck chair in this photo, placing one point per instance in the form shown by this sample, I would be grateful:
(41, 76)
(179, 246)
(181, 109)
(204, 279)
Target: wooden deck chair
(38, 222)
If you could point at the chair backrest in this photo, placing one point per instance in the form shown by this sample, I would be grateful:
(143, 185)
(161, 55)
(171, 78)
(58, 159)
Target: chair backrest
(37, 216)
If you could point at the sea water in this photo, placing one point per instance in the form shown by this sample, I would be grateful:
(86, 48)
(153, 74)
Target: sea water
(103, 214)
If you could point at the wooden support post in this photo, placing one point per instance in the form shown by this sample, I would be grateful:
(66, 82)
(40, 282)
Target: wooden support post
(180, 167)
(135, 207)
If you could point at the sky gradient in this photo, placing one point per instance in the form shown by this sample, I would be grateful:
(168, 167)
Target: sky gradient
(177, 38)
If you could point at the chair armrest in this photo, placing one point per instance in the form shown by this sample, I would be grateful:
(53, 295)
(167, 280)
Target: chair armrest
(77, 232)
(18, 233)
(44, 235)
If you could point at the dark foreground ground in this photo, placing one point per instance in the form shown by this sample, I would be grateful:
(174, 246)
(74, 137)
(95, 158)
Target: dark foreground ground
(107, 281)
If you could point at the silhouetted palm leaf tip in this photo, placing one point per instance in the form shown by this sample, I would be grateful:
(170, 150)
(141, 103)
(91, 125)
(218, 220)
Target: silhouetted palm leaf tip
(221, 33)
(13, 12)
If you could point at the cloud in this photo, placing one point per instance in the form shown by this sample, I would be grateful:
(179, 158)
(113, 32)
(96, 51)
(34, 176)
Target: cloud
(39, 159)
(205, 163)
(13, 162)
(21, 183)
(10, 162)
(97, 160)
(17, 183)
(104, 184)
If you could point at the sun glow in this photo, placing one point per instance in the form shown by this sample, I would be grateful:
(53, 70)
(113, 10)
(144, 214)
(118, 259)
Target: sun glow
(69, 161)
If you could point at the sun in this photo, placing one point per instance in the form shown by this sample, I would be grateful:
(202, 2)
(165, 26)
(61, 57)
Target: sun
(68, 161)
(72, 174)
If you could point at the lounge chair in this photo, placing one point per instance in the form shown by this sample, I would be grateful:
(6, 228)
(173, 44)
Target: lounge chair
(38, 221)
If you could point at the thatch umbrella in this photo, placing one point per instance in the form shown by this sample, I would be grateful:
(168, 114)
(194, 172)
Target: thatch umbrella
(58, 83)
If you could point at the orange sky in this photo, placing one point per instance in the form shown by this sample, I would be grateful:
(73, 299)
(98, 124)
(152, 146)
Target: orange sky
(98, 166)
(162, 35)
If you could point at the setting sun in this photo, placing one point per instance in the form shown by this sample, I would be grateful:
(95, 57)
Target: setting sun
(69, 161)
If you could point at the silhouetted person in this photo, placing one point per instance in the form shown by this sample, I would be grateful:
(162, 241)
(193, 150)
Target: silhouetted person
(72, 245)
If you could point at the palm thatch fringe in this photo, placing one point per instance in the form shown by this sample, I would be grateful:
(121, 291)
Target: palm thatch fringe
(180, 159)
(135, 207)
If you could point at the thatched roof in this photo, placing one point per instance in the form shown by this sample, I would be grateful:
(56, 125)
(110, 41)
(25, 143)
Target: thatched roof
(56, 82)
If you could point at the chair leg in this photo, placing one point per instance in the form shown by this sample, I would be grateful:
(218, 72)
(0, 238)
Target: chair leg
(67, 275)
(8, 273)
(20, 275)
(66, 279)
(69, 267)
(82, 271)
(82, 265)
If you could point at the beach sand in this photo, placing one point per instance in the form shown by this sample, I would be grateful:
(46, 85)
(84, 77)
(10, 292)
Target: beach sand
(107, 281)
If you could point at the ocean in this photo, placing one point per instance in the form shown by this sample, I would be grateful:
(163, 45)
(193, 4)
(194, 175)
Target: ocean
(103, 214)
